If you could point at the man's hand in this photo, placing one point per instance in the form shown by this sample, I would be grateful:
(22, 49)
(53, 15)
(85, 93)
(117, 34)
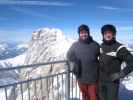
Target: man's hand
(117, 76)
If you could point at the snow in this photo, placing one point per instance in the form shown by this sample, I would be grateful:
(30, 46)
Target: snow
(19, 60)
(11, 49)
(10, 77)
(2, 93)
(24, 45)
(128, 84)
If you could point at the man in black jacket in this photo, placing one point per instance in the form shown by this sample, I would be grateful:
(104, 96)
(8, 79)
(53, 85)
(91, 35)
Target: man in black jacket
(84, 54)
(112, 54)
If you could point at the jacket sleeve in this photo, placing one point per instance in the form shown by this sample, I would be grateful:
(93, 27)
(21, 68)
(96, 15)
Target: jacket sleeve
(71, 58)
(71, 54)
(125, 55)
(98, 51)
(75, 64)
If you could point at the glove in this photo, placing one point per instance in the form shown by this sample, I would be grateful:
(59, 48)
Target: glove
(117, 76)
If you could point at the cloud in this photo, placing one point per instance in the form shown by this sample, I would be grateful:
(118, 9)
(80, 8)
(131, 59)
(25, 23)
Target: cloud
(35, 3)
(108, 8)
(115, 8)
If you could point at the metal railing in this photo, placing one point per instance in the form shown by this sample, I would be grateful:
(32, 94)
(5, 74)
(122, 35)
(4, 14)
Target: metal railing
(60, 85)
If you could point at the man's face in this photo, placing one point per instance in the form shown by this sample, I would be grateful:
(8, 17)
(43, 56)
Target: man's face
(108, 35)
(83, 34)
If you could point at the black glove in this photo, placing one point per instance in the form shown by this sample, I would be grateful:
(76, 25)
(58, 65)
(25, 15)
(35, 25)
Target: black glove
(117, 76)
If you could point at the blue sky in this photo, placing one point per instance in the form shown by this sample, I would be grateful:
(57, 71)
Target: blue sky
(19, 18)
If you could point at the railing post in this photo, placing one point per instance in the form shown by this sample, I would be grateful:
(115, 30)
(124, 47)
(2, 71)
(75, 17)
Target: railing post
(67, 81)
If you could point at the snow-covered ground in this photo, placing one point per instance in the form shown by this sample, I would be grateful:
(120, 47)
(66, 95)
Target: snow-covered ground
(15, 61)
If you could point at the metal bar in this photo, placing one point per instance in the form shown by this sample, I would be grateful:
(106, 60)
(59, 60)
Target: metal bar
(62, 86)
(58, 85)
(72, 86)
(47, 89)
(76, 90)
(41, 88)
(35, 90)
(21, 89)
(5, 92)
(14, 92)
(21, 82)
(52, 88)
(68, 82)
(31, 66)
(28, 90)
(79, 93)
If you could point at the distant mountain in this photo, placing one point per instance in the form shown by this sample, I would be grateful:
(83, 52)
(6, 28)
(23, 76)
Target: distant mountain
(11, 54)
(11, 49)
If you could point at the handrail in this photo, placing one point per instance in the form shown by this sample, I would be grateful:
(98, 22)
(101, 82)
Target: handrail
(35, 65)
(29, 80)
(20, 82)
(32, 65)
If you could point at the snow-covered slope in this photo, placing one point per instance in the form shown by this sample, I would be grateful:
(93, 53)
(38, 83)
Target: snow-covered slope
(15, 61)
(47, 44)
(11, 54)
(11, 76)
(11, 49)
